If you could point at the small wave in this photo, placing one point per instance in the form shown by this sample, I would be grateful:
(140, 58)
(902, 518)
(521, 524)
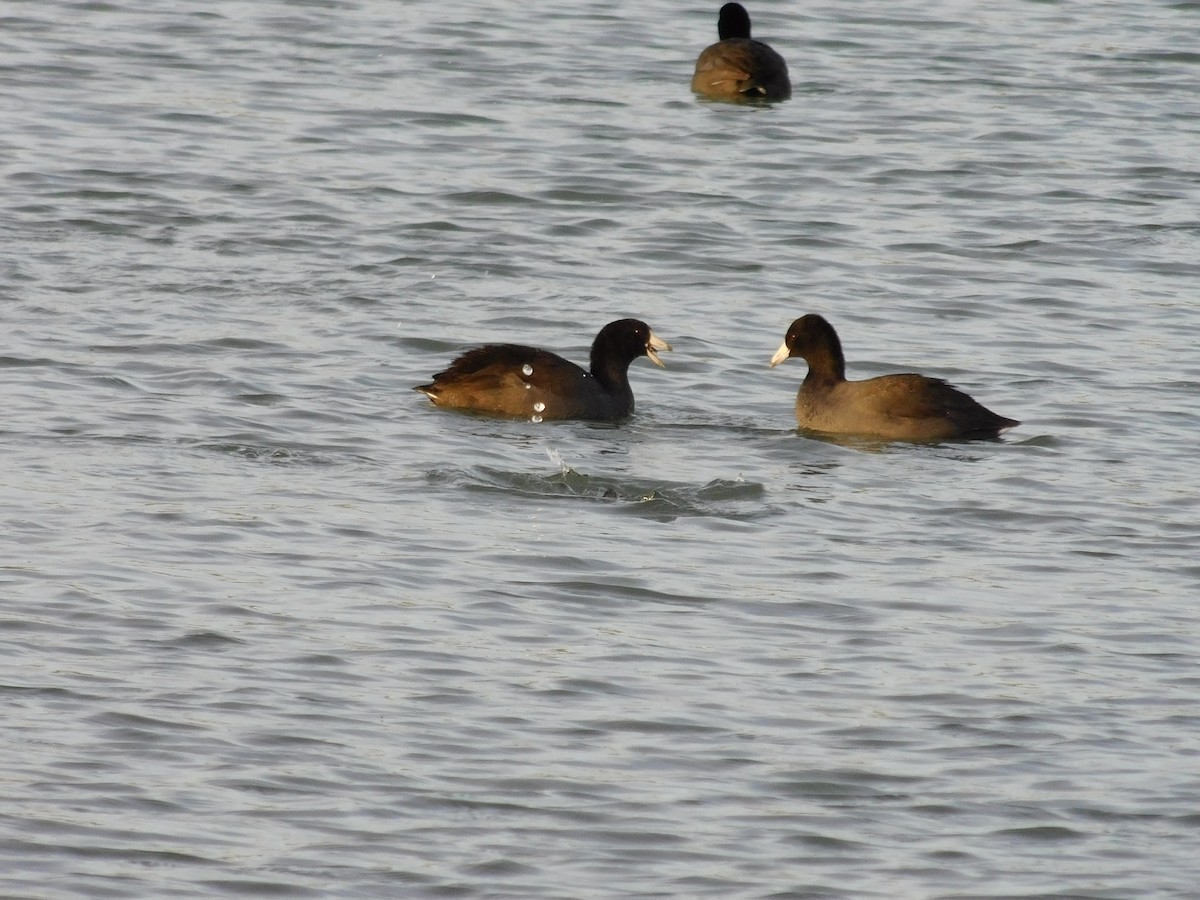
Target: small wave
(656, 498)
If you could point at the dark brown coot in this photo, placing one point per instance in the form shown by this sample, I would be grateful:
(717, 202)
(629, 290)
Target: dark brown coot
(737, 67)
(520, 382)
(892, 407)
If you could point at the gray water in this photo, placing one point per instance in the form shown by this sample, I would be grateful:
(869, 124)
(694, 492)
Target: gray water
(274, 626)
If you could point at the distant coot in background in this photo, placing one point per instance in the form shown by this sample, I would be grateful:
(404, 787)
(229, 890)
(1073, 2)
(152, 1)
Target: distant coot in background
(738, 67)
(521, 382)
(891, 407)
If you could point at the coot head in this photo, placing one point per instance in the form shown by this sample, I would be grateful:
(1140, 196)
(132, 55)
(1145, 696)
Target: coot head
(813, 339)
(623, 341)
(733, 22)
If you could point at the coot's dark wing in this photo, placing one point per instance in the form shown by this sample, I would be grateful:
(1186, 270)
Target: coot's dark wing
(971, 416)
(921, 398)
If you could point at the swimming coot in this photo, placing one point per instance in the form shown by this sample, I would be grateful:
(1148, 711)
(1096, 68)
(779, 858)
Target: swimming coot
(737, 67)
(520, 382)
(891, 407)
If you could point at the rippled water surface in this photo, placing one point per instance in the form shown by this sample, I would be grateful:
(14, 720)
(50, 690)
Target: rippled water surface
(273, 625)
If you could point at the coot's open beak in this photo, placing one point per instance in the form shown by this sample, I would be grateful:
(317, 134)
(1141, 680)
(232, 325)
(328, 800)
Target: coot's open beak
(656, 343)
(780, 355)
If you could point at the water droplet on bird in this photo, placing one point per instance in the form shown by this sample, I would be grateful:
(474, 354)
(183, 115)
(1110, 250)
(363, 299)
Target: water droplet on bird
(528, 386)
(539, 406)
(527, 369)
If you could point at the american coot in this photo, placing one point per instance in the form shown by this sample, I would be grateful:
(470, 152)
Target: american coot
(526, 383)
(892, 407)
(738, 68)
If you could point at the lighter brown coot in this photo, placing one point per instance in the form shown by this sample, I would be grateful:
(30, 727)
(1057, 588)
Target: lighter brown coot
(518, 382)
(738, 67)
(891, 407)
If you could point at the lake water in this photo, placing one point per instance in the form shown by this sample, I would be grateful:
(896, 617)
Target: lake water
(274, 626)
